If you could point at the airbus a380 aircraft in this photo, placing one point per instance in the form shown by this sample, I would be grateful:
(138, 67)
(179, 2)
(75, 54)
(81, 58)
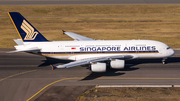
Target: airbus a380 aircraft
(86, 51)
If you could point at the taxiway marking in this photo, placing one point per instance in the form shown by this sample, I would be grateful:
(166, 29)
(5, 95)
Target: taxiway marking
(18, 74)
(52, 84)
(97, 78)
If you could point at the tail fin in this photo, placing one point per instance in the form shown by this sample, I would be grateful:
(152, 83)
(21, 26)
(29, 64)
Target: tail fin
(25, 30)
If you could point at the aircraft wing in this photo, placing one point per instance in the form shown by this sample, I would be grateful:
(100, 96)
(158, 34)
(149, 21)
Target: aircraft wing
(92, 60)
(34, 49)
(77, 37)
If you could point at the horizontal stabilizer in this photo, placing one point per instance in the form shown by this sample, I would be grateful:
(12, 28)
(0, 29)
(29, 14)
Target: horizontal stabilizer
(19, 41)
(26, 50)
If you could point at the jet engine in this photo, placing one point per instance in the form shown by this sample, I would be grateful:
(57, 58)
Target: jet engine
(117, 64)
(98, 67)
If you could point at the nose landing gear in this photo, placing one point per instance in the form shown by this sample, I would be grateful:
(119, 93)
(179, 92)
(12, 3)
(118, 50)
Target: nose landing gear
(164, 60)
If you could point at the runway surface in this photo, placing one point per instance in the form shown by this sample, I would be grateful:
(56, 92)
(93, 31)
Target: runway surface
(82, 2)
(22, 75)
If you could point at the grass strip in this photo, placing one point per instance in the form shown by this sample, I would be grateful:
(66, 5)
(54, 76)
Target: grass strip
(131, 94)
(105, 22)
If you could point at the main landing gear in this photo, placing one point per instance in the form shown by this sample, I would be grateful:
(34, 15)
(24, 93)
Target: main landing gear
(164, 60)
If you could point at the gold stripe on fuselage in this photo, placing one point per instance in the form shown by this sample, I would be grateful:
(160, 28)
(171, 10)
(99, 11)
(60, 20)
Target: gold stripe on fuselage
(84, 53)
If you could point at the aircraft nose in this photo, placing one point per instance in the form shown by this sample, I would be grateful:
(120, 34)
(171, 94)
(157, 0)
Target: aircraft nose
(172, 52)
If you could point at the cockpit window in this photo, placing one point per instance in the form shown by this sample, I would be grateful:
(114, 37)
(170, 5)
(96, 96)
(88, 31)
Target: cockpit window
(168, 47)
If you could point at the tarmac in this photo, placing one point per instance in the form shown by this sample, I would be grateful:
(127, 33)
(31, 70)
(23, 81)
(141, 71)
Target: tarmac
(25, 76)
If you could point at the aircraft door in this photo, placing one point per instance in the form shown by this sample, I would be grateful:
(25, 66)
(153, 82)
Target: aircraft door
(161, 51)
(60, 47)
(140, 48)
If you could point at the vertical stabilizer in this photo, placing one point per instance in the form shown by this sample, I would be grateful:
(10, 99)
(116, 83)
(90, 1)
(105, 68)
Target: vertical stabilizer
(25, 30)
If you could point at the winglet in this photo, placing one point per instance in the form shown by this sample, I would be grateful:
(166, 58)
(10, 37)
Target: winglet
(53, 67)
(63, 32)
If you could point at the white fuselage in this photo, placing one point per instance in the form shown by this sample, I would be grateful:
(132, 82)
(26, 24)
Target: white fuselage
(76, 50)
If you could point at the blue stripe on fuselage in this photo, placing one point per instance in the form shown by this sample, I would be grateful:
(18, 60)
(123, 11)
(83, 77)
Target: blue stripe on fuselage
(103, 52)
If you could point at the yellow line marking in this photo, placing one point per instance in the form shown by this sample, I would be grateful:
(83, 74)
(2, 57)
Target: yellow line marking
(18, 74)
(15, 26)
(51, 84)
(97, 78)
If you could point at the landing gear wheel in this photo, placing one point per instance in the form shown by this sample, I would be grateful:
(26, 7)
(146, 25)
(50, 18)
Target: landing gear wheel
(164, 61)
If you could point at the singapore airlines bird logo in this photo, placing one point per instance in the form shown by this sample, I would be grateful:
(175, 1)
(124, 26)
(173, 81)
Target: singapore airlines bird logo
(30, 34)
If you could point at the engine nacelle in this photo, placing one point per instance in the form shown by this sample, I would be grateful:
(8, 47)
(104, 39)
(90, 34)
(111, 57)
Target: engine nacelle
(117, 64)
(98, 67)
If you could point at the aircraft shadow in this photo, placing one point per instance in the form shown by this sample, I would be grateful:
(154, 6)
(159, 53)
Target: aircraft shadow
(134, 62)
(129, 64)
(113, 72)
(50, 61)
(144, 61)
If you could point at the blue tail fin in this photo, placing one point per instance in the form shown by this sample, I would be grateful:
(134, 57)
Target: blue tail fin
(25, 30)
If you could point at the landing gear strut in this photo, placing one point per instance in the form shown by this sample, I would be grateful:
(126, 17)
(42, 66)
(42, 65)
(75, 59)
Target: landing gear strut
(164, 61)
